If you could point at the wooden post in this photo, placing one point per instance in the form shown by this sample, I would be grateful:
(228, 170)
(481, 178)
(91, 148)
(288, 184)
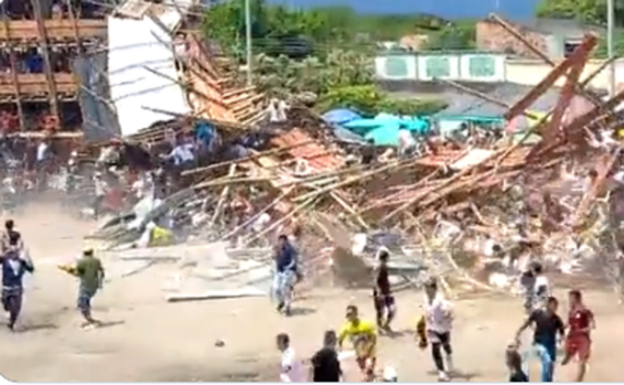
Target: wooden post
(512, 31)
(77, 79)
(589, 43)
(13, 60)
(43, 44)
(567, 92)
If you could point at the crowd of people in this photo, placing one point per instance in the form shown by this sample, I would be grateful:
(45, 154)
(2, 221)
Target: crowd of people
(434, 329)
(15, 263)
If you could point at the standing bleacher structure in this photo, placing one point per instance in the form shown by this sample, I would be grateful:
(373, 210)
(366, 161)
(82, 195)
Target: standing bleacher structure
(43, 43)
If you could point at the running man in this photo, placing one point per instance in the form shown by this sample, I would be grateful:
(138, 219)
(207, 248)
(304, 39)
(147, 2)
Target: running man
(363, 336)
(578, 342)
(14, 265)
(285, 274)
(9, 229)
(385, 306)
(291, 368)
(90, 272)
(546, 324)
(437, 323)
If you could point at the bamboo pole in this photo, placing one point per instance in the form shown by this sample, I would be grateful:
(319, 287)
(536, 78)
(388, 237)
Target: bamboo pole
(229, 181)
(429, 177)
(350, 210)
(275, 224)
(13, 62)
(518, 36)
(480, 95)
(43, 44)
(254, 156)
(259, 213)
(394, 166)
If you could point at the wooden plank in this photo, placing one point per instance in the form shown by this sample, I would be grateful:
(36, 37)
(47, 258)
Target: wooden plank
(43, 45)
(36, 84)
(588, 43)
(581, 55)
(13, 61)
(520, 37)
(62, 29)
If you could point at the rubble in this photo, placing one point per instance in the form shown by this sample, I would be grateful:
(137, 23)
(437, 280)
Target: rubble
(472, 212)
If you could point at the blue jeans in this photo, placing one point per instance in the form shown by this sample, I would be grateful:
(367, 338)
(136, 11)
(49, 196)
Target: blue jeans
(282, 286)
(547, 354)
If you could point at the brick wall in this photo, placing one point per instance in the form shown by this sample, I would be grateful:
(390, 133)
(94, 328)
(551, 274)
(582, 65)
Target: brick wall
(493, 37)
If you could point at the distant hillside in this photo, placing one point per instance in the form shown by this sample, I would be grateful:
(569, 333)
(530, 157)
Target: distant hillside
(449, 9)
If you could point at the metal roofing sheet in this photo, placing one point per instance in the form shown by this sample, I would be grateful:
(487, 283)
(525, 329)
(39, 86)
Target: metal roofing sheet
(138, 93)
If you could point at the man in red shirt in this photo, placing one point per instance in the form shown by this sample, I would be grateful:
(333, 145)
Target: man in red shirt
(578, 341)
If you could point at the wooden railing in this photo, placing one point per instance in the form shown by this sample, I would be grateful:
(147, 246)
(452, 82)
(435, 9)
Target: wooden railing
(35, 84)
(62, 29)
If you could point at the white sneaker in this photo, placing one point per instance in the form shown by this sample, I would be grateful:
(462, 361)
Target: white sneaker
(450, 368)
(443, 377)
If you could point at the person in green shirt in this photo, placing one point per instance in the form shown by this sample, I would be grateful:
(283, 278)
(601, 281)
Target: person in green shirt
(90, 272)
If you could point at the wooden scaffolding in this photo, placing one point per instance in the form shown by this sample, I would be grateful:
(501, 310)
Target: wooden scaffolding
(46, 100)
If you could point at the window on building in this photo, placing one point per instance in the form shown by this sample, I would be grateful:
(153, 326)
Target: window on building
(570, 46)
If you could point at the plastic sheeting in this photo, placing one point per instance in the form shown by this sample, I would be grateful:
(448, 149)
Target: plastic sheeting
(386, 135)
(340, 116)
(137, 93)
(346, 136)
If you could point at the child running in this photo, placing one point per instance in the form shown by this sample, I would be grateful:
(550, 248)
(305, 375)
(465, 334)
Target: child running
(363, 336)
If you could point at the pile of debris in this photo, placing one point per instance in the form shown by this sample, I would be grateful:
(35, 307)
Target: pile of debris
(474, 216)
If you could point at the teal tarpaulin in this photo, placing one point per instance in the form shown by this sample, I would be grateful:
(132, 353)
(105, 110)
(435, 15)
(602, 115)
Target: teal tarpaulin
(384, 128)
(388, 135)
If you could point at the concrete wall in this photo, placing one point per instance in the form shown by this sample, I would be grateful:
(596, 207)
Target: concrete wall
(531, 72)
(479, 67)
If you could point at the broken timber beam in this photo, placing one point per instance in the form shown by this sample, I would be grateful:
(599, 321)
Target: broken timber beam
(521, 105)
(578, 124)
(513, 32)
(581, 54)
(603, 171)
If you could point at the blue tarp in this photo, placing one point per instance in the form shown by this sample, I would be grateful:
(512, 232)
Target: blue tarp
(347, 136)
(387, 135)
(340, 116)
(384, 128)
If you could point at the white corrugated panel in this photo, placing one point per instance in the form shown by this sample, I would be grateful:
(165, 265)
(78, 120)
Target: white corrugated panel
(133, 46)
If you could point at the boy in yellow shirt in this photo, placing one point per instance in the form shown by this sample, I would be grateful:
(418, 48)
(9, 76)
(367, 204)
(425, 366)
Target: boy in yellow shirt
(363, 336)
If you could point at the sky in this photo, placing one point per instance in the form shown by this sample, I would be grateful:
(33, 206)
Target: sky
(449, 9)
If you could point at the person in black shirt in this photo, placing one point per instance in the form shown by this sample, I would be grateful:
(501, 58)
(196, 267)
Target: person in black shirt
(547, 325)
(325, 363)
(369, 152)
(384, 301)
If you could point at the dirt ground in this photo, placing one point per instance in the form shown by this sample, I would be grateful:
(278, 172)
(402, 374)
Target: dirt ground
(150, 340)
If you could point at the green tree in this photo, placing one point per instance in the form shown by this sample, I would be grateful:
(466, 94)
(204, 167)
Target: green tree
(587, 11)
(454, 36)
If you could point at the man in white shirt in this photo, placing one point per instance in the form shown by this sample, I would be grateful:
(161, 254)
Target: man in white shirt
(101, 189)
(42, 151)
(291, 368)
(438, 317)
(182, 154)
(407, 143)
